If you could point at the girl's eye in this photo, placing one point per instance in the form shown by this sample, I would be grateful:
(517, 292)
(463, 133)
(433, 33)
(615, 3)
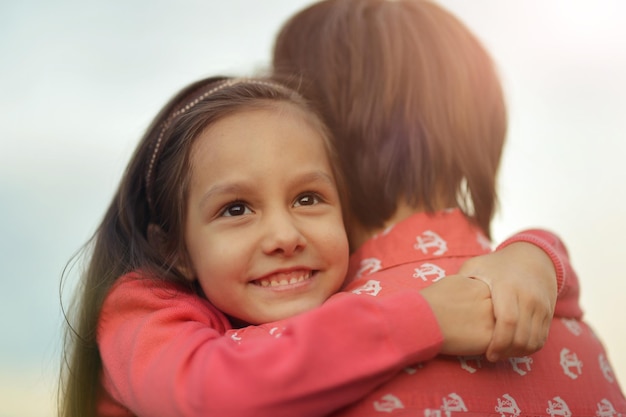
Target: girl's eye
(235, 209)
(307, 199)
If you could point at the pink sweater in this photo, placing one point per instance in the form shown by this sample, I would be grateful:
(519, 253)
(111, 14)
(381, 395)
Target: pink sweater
(569, 376)
(168, 352)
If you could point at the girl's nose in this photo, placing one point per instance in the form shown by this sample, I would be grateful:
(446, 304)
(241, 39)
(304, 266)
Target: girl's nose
(282, 235)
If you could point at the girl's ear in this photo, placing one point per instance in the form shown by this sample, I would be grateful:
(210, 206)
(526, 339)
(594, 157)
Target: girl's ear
(157, 239)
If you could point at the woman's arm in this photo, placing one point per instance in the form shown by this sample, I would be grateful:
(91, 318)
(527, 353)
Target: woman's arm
(167, 352)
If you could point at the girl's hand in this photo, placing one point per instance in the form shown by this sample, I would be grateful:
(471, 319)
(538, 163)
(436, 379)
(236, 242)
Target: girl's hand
(523, 287)
(464, 312)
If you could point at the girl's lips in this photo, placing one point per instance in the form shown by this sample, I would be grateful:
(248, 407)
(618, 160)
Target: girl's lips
(284, 278)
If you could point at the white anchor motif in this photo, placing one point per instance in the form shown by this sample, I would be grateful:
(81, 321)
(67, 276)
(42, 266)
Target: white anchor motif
(371, 287)
(606, 409)
(453, 403)
(276, 332)
(558, 408)
(570, 363)
(507, 407)
(427, 269)
(388, 403)
(573, 326)
(411, 370)
(369, 266)
(517, 361)
(466, 360)
(428, 240)
(236, 338)
(606, 369)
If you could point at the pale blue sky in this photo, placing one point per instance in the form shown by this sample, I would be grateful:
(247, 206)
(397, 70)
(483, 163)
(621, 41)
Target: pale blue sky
(79, 81)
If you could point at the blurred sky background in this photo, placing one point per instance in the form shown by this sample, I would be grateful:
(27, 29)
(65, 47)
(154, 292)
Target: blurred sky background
(80, 81)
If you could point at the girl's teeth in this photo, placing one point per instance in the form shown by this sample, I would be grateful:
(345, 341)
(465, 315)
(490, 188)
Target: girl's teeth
(283, 281)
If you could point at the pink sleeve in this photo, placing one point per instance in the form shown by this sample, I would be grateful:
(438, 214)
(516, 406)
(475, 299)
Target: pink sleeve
(568, 287)
(171, 354)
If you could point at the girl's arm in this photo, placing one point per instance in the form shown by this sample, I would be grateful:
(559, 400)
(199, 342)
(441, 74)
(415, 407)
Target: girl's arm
(531, 279)
(167, 352)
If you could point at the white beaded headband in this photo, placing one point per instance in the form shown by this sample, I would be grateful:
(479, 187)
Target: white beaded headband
(186, 108)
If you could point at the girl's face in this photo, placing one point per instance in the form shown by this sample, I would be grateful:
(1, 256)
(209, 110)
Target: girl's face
(264, 230)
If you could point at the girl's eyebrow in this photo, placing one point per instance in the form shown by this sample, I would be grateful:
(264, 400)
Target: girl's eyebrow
(313, 176)
(218, 189)
(238, 188)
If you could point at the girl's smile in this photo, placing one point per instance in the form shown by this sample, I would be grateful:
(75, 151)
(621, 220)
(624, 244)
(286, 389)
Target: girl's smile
(285, 280)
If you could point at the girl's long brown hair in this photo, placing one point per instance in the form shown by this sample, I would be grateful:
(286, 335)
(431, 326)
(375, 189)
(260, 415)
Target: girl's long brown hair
(412, 98)
(122, 244)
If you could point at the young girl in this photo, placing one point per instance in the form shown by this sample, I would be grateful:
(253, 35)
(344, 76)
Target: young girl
(229, 215)
(419, 122)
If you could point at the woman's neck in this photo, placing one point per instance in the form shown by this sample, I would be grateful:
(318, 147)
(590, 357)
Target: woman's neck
(359, 234)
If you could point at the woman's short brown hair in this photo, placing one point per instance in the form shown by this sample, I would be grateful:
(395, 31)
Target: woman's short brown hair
(413, 100)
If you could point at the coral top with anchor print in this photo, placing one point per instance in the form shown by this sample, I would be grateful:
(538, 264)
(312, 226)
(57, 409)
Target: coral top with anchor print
(570, 376)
